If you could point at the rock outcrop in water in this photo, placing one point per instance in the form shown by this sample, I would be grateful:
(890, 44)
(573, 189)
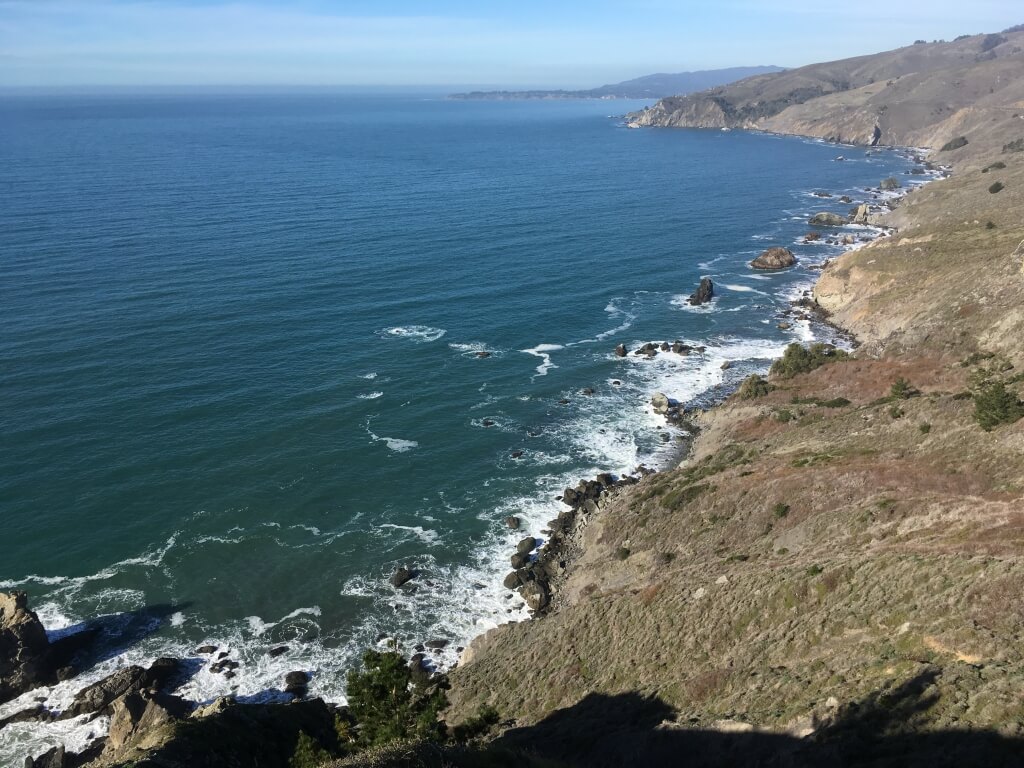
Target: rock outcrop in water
(24, 648)
(774, 258)
(704, 293)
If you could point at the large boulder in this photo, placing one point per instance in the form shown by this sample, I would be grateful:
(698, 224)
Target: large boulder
(860, 216)
(98, 697)
(890, 184)
(402, 576)
(704, 293)
(826, 219)
(774, 258)
(136, 715)
(660, 402)
(536, 595)
(24, 648)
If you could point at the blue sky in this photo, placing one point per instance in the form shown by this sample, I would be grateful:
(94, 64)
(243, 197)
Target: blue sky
(524, 43)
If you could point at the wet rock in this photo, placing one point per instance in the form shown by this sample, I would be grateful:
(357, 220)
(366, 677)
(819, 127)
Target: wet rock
(588, 391)
(54, 757)
(402, 576)
(774, 258)
(607, 479)
(517, 454)
(206, 650)
(511, 580)
(621, 351)
(680, 349)
(812, 236)
(726, 365)
(563, 401)
(419, 672)
(296, 683)
(518, 560)
(571, 497)
(826, 219)
(279, 651)
(527, 545)
(437, 643)
(845, 199)
(512, 522)
(488, 422)
(483, 354)
(890, 184)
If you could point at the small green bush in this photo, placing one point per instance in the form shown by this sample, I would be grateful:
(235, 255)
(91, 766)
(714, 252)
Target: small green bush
(308, 753)
(486, 718)
(621, 553)
(784, 415)
(895, 411)
(925, 428)
(815, 570)
(994, 404)
(959, 141)
(990, 225)
(996, 166)
(798, 359)
(901, 389)
(1017, 145)
(780, 510)
(997, 187)
(835, 402)
(753, 387)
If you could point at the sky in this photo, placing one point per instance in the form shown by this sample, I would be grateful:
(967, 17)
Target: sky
(481, 43)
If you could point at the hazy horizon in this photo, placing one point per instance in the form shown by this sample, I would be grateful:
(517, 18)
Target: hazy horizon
(456, 45)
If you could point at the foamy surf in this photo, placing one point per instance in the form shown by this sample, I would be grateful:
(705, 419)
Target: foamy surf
(418, 333)
(543, 351)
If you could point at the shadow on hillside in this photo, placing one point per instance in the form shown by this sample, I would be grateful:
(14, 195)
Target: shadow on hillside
(633, 730)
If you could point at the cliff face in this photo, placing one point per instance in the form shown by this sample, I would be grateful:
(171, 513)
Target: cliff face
(838, 539)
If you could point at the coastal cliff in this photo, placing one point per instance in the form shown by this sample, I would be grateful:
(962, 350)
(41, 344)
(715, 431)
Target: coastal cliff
(845, 537)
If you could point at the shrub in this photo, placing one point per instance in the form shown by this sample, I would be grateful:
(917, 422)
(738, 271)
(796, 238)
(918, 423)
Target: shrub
(753, 387)
(780, 510)
(994, 404)
(815, 570)
(784, 415)
(997, 166)
(925, 428)
(890, 184)
(835, 402)
(308, 753)
(992, 41)
(901, 389)
(485, 719)
(798, 359)
(895, 411)
(386, 704)
(990, 225)
(959, 141)
(621, 553)
(997, 187)
(1017, 145)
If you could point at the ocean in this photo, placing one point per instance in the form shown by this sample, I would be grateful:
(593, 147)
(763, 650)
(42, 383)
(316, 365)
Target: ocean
(240, 369)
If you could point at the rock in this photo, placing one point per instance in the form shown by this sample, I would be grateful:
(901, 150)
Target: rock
(845, 199)
(512, 522)
(861, 215)
(563, 401)
(402, 576)
(784, 326)
(726, 365)
(536, 595)
(821, 194)
(24, 649)
(588, 391)
(136, 714)
(511, 580)
(680, 349)
(527, 545)
(438, 643)
(825, 219)
(483, 354)
(205, 650)
(660, 402)
(811, 236)
(518, 560)
(774, 258)
(98, 697)
(54, 757)
(517, 454)
(275, 652)
(418, 671)
(704, 293)
(621, 351)
(296, 683)
(607, 479)
(890, 184)
(488, 422)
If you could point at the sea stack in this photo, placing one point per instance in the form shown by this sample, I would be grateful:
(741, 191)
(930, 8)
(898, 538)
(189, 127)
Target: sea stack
(774, 258)
(704, 293)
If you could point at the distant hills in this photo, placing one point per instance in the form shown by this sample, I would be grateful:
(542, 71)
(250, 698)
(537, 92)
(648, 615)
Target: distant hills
(647, 87)
(921, 95)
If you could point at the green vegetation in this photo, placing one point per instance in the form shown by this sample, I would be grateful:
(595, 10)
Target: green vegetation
(997, 187)
(308, 753)
(798, 359)
(815, 570)
(682, 496)
(388, 706)
(996, 166)
(990, 225)
(925, 428)
(780, 510)
(895, 411)
(1017, 145)
(753, 387)
(621, 553)
(784, 415)
(994, 404)
(902, 390)
(949, 146)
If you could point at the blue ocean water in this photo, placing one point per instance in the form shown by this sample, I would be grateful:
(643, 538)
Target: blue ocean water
(239, 380)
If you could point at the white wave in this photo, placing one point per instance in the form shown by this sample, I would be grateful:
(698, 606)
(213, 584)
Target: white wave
(543, 351)
(370, 395)
(418, 333)
(682, 301)
(177, 619)
(742, 288)
(425, 535)
(370, 376)
(395, 444)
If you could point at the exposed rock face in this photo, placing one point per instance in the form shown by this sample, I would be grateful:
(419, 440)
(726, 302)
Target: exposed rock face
(774, 258)
(24, 648)
(402, 576)
(135, 714)
(861, 214)
(621, 351)
(704, 293)
(99, 697)
(660, 403)
(826, 219)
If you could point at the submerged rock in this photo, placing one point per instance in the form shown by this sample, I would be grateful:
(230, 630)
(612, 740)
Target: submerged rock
(774, 258)
(621, 351)
(402, 576)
